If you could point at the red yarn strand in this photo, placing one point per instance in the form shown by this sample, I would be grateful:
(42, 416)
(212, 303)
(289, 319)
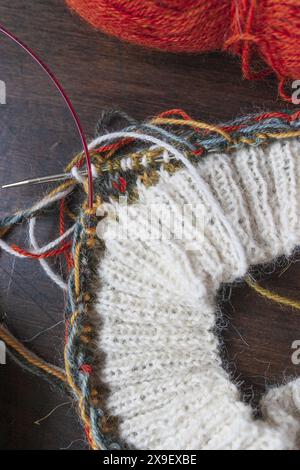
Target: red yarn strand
(48, 254)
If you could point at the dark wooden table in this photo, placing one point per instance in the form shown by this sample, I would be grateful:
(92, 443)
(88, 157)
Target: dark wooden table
(37, 137)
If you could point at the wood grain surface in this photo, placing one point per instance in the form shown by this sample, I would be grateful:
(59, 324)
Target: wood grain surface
(37, 137)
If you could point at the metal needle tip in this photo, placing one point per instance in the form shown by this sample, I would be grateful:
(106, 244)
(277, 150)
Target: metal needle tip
(41, 180)
(15, 185)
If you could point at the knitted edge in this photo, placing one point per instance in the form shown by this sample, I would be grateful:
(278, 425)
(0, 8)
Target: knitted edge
(120, 162)
(246, 131)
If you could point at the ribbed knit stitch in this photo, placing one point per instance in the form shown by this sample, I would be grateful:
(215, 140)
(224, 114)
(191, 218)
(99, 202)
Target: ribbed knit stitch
(157, 305)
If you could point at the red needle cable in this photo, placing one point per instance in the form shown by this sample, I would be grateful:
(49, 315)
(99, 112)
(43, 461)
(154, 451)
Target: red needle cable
(69, 104)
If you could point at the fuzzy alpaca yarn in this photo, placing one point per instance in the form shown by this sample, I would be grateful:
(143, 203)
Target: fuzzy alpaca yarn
(158, 309)
(150, 305)
(269, 28)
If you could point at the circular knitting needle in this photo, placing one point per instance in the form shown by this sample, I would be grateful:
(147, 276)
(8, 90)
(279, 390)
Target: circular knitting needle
(43, 179)
(58, 177)
(67, 101)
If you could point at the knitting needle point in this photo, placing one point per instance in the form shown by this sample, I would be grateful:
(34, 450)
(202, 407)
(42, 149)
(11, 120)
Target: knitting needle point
(41, 180)
(54, 178)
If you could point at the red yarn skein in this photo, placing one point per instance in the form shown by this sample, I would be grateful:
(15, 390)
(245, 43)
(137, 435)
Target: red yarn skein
(171, 25)
(271, 28)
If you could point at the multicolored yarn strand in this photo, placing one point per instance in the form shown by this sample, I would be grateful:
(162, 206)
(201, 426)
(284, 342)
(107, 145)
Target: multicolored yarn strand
(266, 28)
(32, 360)
(121, 160)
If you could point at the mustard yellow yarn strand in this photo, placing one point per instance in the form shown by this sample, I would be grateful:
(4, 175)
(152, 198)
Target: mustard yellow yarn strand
(61, 187)
(273, 296)
(77, 269)
(279, 135)
(30, 357)
(192, 123)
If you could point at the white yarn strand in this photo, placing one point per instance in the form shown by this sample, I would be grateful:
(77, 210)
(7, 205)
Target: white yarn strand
(46, 201)
(39, 206)
(55, 242)
(50, 246)
(78, 176)
(5, 247)
(48, 270)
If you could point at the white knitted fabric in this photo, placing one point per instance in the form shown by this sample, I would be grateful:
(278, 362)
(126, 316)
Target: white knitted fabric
(157, 304)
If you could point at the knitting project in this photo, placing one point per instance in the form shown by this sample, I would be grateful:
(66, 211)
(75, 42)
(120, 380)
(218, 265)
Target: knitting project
(142, 308)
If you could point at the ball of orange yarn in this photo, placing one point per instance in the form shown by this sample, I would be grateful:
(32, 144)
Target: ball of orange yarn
(268, 28)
